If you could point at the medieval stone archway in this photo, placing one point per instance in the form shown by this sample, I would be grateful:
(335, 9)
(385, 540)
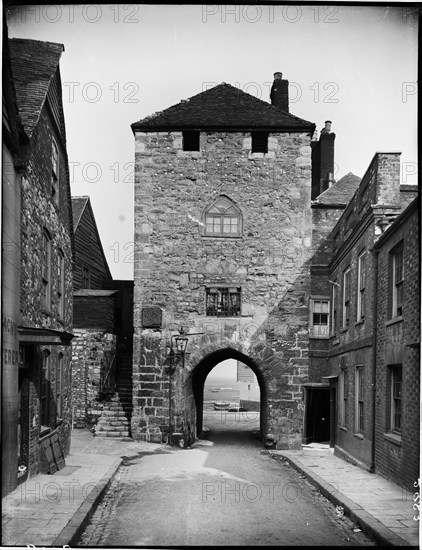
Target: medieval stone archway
(195, 383)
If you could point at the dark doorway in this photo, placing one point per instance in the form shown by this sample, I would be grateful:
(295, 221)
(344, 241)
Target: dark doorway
(317, 415)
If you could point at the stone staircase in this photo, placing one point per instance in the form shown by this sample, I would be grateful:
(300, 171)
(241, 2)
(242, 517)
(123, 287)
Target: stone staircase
(113, 421)
(117, 412)
(124, 382)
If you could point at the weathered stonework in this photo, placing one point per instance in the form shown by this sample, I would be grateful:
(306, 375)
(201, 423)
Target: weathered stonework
(41, 385)
(175, 262)
(89, 349)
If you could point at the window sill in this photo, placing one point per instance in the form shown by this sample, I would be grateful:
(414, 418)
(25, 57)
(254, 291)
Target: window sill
(222, 237)
(342, 428)
(223, 316)
(59, 422)
(359, 436)
(268, 155)
(361, 322)
(344, 330)
(394, 321)
(44, 430)
(393, 438)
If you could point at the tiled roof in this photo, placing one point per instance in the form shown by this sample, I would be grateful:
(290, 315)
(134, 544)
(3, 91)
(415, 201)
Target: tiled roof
(223, 106)
(34, 64)
(78, 206)
(341, 192)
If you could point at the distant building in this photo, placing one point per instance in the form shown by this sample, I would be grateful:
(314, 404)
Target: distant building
(36, 391)
(249, 387)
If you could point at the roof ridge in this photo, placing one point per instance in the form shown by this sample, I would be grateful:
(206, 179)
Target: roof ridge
(233, 107)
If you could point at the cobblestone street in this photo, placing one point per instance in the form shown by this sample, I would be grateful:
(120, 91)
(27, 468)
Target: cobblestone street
(225, 490)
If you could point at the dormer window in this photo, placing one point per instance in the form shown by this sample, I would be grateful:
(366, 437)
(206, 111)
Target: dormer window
(223, 219)
(259, 142)
(191, 141)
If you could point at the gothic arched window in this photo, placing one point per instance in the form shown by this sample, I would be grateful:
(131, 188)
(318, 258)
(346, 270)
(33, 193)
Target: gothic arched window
(223, 219)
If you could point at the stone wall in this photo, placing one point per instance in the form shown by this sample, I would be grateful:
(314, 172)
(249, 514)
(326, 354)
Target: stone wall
(175, 262)
(39, 212)
(91, 351)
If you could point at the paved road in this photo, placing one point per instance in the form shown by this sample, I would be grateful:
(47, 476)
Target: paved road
(225, 490)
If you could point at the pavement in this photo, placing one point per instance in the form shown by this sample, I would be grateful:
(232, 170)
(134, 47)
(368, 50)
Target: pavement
(53, 510)
(382, 509)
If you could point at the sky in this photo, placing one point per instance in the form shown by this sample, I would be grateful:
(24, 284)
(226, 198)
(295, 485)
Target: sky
(353, 65)
(226, 370)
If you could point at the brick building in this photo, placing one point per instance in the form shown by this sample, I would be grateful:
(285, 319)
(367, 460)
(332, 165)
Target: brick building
(345, 400)
(397, 398)
(223, 232)
(40, 425)
(102, 320)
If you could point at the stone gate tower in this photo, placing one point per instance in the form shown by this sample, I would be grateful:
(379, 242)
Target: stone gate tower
(223, 247)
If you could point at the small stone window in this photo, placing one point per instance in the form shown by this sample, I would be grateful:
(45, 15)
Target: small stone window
(191, 140)
(223, 219)
(259, 142)
(223, 301)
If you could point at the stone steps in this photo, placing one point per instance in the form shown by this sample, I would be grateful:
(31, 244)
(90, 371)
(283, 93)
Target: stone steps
(113, 421)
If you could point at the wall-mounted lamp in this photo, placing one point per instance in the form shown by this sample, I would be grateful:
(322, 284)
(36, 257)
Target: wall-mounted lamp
(175, 355)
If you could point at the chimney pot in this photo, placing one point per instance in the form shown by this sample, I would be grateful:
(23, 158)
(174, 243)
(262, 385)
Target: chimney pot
(327, 128)
(279, 95)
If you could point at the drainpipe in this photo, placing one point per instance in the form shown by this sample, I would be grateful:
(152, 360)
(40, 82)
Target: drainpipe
(374, 358)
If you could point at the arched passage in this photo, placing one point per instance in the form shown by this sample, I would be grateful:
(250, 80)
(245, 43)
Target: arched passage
(205, 366)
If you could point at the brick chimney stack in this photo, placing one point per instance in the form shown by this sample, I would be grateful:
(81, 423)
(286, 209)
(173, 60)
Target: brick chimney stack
(280, 93)
(323, 161)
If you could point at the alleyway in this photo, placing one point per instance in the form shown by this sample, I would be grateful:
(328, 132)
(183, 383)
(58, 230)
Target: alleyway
(225, 490)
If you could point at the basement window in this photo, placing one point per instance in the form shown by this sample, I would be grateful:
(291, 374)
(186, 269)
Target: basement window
(191, 141)
(259, 142)
(223, 301)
